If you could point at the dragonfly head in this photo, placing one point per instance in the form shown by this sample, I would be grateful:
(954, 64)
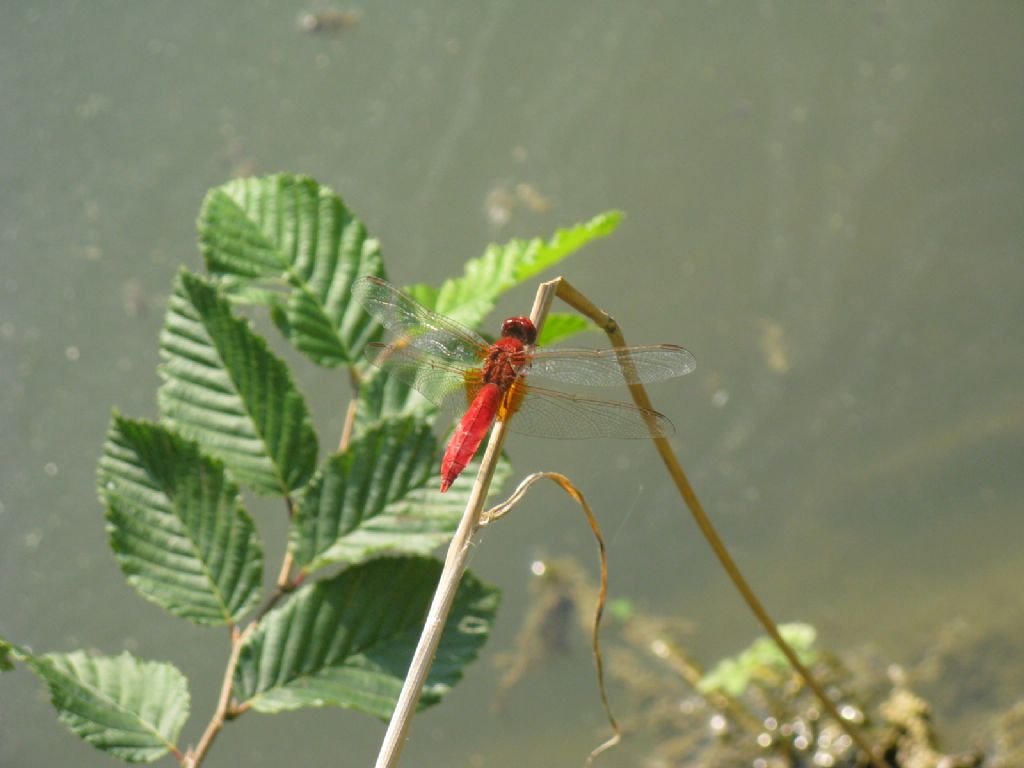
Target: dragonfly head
(521, 328)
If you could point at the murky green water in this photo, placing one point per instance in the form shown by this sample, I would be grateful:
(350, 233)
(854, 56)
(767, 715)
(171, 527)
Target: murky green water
(825, 204)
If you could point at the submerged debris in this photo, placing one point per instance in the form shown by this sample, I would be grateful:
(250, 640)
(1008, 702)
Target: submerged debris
(1008, 738)
(556, 591)
(751, 710)
(775, 347)
(504, 198)
(531, 197)
(910, 741)
(329, 20)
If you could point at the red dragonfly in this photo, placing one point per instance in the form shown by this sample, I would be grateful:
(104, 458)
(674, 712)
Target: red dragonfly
(455, 367)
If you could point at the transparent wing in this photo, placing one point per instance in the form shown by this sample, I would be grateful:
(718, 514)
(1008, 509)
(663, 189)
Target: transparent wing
(408, 319)
(547, 413)
(447, 385)
(441, 359)
(612, 367)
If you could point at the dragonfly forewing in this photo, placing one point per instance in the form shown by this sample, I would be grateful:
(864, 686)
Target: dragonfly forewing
(407, 319)
(447, 386)
(612, 367)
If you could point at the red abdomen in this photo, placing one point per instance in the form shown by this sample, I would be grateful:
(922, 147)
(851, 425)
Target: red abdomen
(470, 433)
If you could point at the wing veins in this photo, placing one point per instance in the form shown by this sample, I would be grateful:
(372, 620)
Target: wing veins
(614, 366)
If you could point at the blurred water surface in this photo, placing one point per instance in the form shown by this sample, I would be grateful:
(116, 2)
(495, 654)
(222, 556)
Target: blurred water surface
(825, 204)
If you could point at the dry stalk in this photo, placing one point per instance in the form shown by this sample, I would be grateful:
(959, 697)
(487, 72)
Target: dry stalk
(451, 575)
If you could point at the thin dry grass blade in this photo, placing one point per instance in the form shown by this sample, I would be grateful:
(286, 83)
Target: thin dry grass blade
(566, 485)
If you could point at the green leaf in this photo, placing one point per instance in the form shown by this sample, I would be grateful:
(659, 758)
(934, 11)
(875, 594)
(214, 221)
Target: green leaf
(423, 293)
(418, 523)
(347, 642)
(470, 298)
(560, 326)
(240, 290)
(538, 256)
(760, 660)
(10, 653)
(177, 525)
(225, 389)
(288, 231)
(380, 467)
(131, 709)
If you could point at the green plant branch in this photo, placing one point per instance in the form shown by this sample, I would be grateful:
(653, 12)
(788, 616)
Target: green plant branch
(224, 711)
(284, 585)
(582, 304)
(232, 416)
(194, 757)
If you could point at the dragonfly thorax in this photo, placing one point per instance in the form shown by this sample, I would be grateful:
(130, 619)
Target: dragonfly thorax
(504, 362)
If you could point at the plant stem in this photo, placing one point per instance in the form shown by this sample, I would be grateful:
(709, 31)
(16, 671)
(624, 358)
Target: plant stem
(195, 756)
(451, 575)
(350, 412)
(284, 585)
(346, 431)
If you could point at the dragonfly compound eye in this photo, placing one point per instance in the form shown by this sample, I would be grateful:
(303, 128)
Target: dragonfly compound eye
(521, 328)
